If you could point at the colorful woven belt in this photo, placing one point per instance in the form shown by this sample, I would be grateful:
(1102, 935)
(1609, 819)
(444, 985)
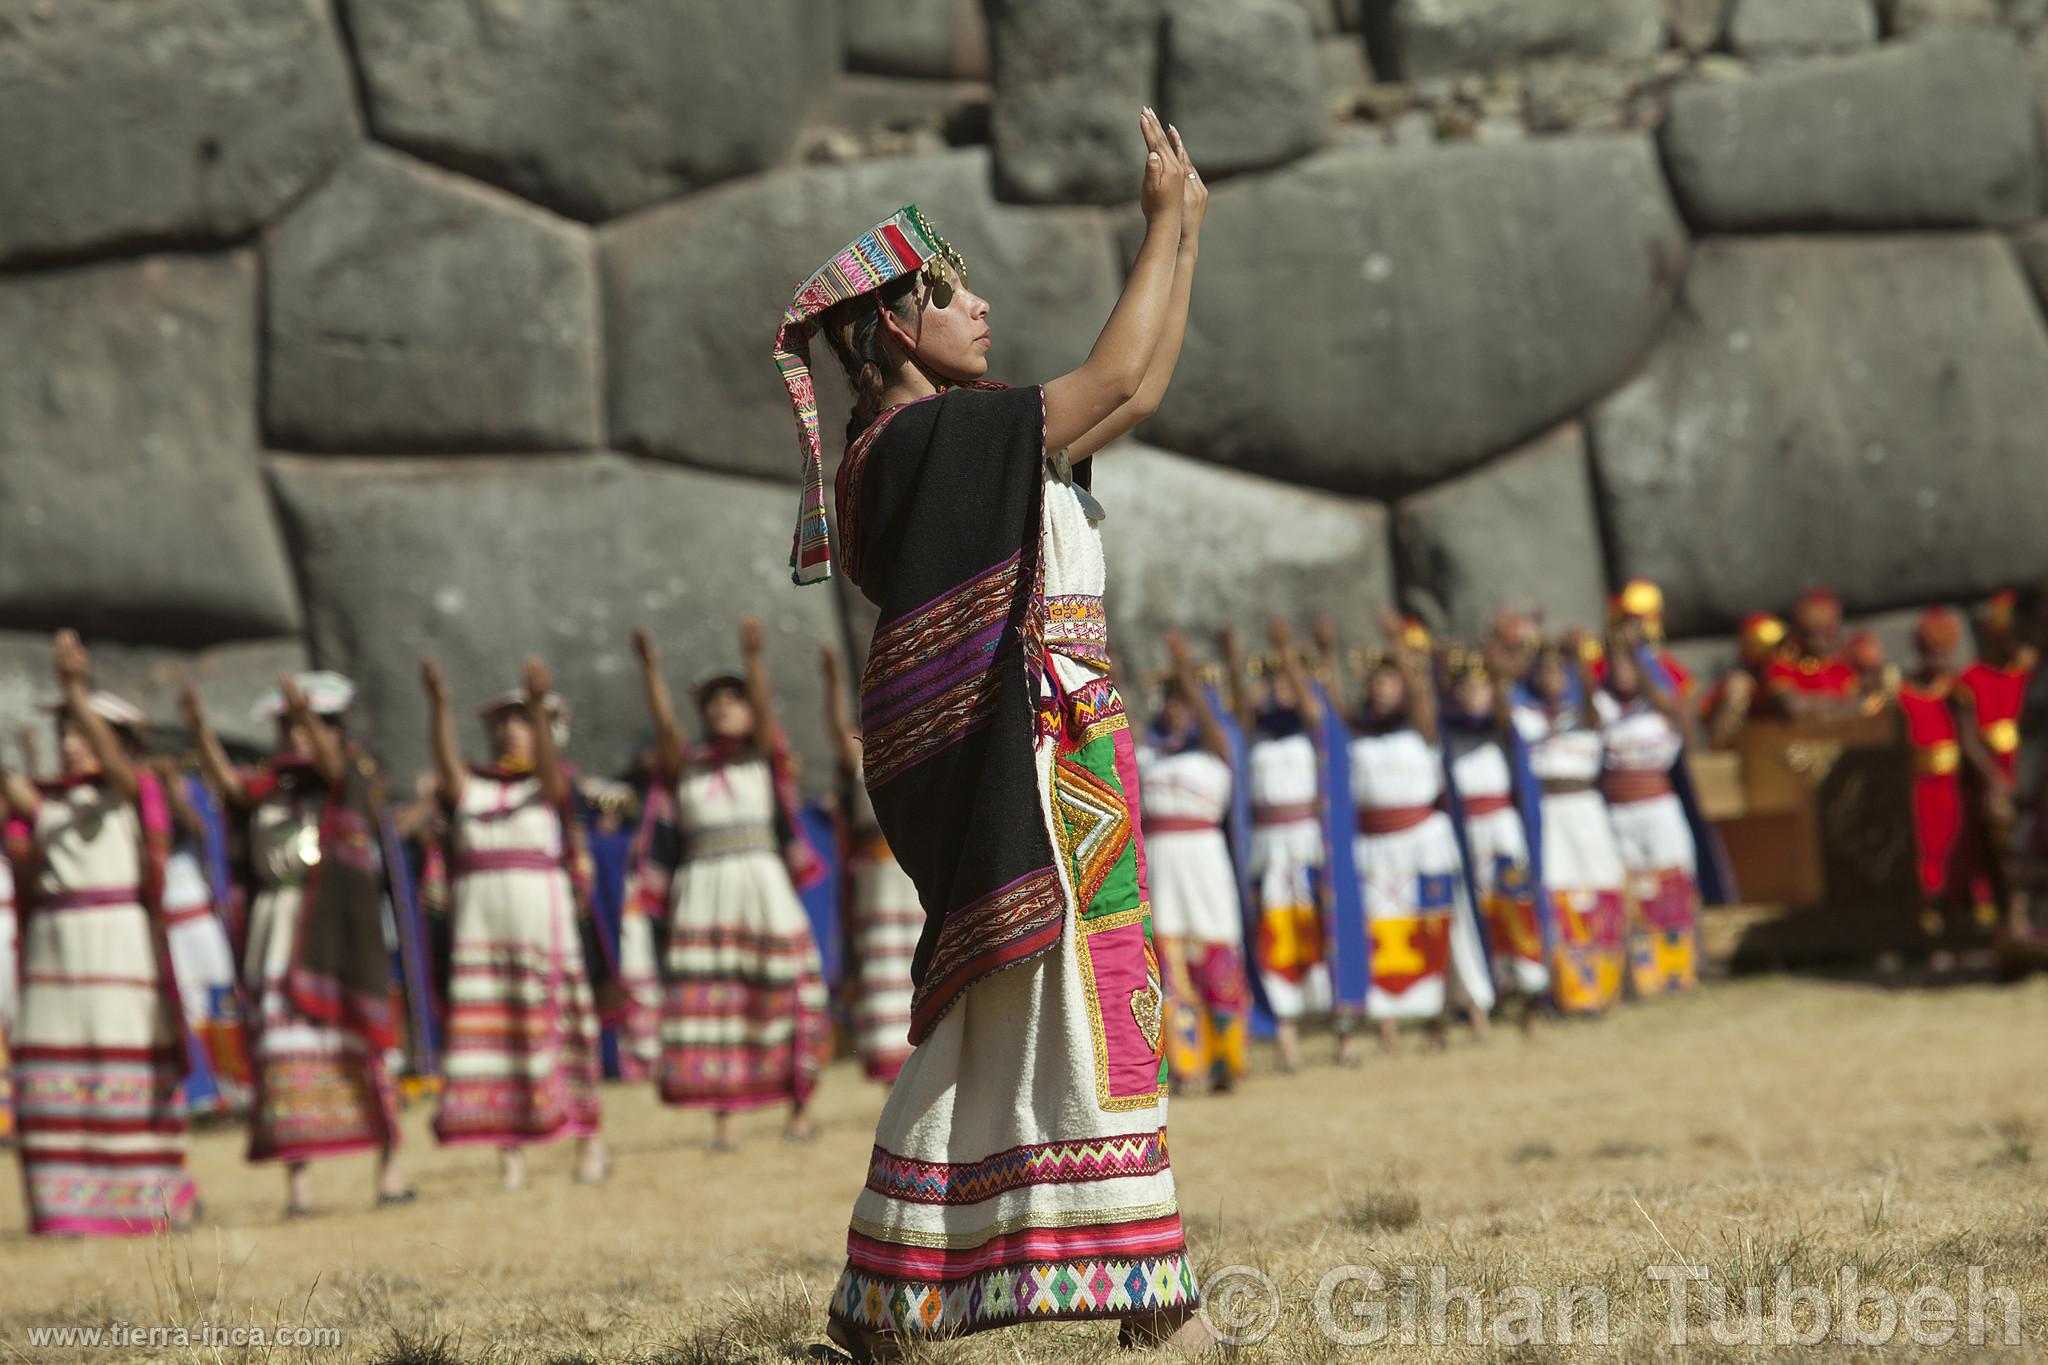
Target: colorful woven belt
(1393, 819)
(729, 841)
(1625, 786)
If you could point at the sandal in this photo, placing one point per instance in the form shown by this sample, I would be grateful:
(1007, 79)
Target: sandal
(294, 1212)
(389, 1201)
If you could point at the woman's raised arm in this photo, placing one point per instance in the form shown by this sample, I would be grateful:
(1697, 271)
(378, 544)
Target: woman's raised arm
(1116, 368)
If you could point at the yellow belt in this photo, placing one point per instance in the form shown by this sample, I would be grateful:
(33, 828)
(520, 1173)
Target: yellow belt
(1938, 760)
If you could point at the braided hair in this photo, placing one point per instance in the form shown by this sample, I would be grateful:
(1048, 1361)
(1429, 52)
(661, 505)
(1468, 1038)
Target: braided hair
(855, 330)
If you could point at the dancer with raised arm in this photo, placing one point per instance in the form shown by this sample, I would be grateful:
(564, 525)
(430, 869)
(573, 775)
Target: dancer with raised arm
(100, 1048)
(522, 1042)
(1019, 1172)
(316, 967)
(743, 1017)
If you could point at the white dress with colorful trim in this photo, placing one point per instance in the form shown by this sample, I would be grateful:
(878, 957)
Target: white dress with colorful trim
(99, 1052)
(1426, 952)
(1500, 863)
(743, 1020)
(520, 1059)
(1197, 922)
(1582, 869)
(1656, 844)
(1287, 858)
(887, 920)
(1020, 1169)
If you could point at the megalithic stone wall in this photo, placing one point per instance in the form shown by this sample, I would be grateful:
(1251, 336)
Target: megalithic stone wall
(347, 330)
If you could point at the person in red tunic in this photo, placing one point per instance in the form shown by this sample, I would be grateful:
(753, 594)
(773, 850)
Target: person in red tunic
(1990, 694)
(1811, 680)
(1725, 708)
(1927, 704)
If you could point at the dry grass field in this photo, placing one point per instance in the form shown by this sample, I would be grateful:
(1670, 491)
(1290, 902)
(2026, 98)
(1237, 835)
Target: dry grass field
(1766, 1128)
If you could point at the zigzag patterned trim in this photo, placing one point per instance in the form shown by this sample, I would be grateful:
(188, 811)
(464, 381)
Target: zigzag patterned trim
(1045, 1163)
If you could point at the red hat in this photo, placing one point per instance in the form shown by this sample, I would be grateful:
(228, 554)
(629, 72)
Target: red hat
(1864, 650)
(1940, 629)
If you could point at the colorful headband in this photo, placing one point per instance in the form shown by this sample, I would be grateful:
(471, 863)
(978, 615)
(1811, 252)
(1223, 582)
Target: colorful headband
(1999, 610)
(899, 245)
(1760, 633)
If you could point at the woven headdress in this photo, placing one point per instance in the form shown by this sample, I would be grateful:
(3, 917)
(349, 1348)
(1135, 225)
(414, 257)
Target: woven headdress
(900, 245)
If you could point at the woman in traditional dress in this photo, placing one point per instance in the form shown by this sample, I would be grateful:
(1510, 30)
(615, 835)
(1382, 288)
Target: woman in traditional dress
(743, 1021)
(1283, 714)
(1197, 924)
(1644, 733)
(99, 1053)
(521, 1053)
(1583, 876)
(1427, 958)
(883, 914)
(1492, 784)
(1019, 1171)
(202, 954)
(315, 965)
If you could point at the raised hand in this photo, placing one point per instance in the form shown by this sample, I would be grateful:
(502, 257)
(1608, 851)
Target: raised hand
(1160, 193)
(1391, 624)
(433, 679)
(537, 678)
(190, 707)
(1279, 633)
(643, 647)
(1194, 194)
(751, 636)
(295, 703)
(828, 664)
(1177, 650)
(73, 663)
(1325, 632)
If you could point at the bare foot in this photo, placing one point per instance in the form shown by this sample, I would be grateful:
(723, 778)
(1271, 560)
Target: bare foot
(512, 1168)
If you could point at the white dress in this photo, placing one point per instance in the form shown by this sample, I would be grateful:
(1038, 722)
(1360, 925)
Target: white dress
(1657, 847)
(887, 921)
(1026, 1133)
(1287, 856)
(743, 1020)
(1418, 911)
(99, 1051)
(1194, 884)
(1500, 862)
(1583, 874)
(520, 1059)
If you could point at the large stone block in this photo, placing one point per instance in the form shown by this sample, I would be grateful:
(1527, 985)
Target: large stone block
(483, 562)
(1441, 37)
(158, 120)
(1521, 532)
(1909, 16)
(1242, 82)
(229, 677)
(685, 294)
(1371, 321)
(1071, 76)
(596, 109)
(1766, 30)
(1865, 412)
(935, 39)
(131, 500)
(1938, 132)
(410, 309)
(1191, 547)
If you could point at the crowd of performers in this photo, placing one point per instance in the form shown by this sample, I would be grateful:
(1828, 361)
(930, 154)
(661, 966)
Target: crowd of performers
(291, 941)
(1962, 725)
(1415, 833)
